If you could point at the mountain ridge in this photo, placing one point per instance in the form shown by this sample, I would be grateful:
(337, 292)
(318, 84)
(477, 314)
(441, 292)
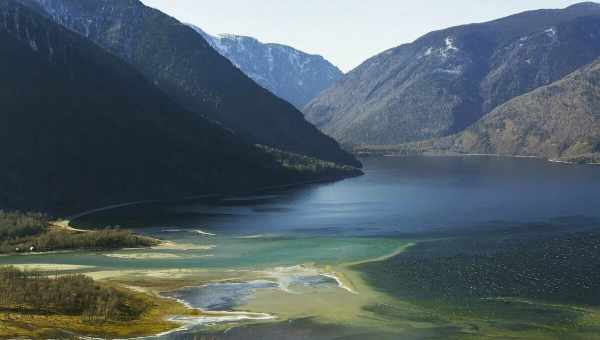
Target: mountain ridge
(287, 72)
(80, 128)
(446, 80)
(559, 122)
(178, 60)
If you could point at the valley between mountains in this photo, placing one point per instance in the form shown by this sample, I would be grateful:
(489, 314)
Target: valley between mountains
(160, 181)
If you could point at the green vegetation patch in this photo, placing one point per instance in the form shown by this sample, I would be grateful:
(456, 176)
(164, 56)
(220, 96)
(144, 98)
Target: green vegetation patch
(32, 292)
(14, 225)
(31, 232)
(309, 165)
(34, 305)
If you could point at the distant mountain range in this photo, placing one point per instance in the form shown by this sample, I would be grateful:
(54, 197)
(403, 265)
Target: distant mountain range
(178, 60)
(448, 80)
(81, 128)
(293, 75)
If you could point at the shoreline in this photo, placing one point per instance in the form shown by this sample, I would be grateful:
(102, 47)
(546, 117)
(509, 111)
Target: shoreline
(156, 319)
(185, 322)
(342, 272)
(65, 224)
(382, 258)
(459, 155)
(65, 227)
(348, 280)
(207, 317)
(559, 161)
(162, 245)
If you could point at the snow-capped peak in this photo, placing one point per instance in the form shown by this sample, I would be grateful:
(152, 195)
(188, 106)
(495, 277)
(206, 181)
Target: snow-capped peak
(292, 74)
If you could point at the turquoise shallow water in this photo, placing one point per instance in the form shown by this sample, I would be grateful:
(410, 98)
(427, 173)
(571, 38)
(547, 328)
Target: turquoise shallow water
(397, 201)
(228, 253)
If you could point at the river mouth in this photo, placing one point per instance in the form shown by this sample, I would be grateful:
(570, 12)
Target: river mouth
(418, 248)
(236, 301)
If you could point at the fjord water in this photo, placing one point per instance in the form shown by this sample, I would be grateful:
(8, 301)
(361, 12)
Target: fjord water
(396, 202)
(399, 196)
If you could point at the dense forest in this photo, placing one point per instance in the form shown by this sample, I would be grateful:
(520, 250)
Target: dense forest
(307, 166)
(27, 232)
(182, 64)
(106, 134)
(15, 225)
(27, 292)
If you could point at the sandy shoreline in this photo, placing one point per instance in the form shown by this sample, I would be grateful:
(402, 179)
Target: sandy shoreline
(293, 283)
(51, 267)
(170, 245)
(559, 161)
(155, 282)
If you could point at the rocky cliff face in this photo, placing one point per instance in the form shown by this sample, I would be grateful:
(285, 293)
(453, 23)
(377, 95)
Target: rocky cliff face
(178, 60)
(447, 80)
(290, 74)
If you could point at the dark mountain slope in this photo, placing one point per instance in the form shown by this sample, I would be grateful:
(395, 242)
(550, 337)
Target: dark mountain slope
(445, 81)
(79, 128)
(178, 60)
(290, 74)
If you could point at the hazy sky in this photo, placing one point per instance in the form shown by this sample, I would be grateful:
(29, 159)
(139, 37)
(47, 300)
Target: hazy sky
(346, 32)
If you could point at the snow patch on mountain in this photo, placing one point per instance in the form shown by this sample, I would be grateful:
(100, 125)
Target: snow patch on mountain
(551, 32)
(450, 47)
(291, 74)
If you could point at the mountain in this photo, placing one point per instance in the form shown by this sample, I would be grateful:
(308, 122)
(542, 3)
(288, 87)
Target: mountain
(290, 74)
(80, 128)
(447, 80)
(558, 121)
(180, 62)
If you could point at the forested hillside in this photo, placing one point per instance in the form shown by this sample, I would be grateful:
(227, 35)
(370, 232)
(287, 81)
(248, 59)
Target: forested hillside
(80, 129)
(178, 60)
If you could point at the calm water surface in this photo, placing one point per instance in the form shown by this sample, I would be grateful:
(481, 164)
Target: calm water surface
(406, 195)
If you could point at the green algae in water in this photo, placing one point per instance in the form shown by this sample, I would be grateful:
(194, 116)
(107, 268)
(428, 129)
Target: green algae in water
(518, 286)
